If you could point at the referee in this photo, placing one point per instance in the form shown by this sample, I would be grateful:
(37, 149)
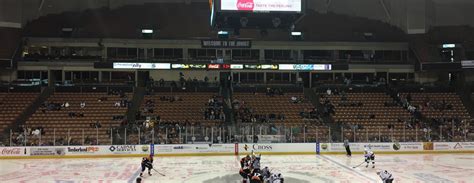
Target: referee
(348, 148)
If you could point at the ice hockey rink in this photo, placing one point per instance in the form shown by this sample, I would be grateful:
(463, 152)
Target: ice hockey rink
(440, 168)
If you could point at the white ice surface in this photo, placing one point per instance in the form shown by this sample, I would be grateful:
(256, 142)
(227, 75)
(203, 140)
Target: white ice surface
(441, 168)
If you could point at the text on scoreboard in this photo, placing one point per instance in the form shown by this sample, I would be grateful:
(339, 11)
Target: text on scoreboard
(261, 5)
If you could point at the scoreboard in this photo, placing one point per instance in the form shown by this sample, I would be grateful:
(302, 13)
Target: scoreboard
(261, 5)
(255, 14)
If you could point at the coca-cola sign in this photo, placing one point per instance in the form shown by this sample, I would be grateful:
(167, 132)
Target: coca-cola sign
(245, 5)
(262, 5)
(12, 151)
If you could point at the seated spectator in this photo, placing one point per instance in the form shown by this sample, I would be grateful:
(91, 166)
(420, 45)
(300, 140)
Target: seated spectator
(123, 103)
(328, 91)
(95, 124)
(336, 92)
(117, 104)
(272, 116)
(66, 105)
(281, 116)
(344, 97)
(162, 82)
(270, 92)
(294, 99)
(118, 117)
(222, 115)
(411, 108)
(36, 132)
(100, 99)
(83, 104)
(278, 91)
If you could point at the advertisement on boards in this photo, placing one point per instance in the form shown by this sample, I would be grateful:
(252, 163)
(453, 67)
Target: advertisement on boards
(47, 151)
(78, 150)
(123, 149)
(13, 151)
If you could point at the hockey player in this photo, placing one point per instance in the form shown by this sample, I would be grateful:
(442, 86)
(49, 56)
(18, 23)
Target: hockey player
(276, 178)
(385, 176)
(147, 162)
(245, 173)
(245, 161)
(369, 156)
(256, 163)
(266, 173)
(256, 178)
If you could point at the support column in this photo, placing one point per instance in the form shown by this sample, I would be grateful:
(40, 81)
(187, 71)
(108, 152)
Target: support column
(262, 56)
(185, 53)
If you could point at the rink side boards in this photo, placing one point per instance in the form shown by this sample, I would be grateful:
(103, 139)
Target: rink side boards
(230, 149)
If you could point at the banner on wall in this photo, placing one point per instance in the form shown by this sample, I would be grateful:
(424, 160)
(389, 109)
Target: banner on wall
(151, 66)
(428, 146)
(13, 151)
(78, 150)
(244, 148)
(453, 146)
(123, 149)
(305, 67)
(407, 146)
(277, 147)
(47, 151)
(226, 43)
(396, 146)
(196, 148)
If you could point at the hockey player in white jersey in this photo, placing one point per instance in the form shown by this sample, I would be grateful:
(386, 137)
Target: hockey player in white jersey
(276, 178)
(369, 157)
(385, 176)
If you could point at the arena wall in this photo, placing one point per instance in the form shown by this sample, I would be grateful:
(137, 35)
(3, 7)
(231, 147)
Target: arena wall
(230, 149)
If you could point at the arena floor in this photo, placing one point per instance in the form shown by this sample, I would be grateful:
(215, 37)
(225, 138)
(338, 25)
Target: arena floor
(441, 168)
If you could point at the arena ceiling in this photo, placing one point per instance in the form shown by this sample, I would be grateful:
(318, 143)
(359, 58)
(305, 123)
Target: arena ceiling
(412, 16)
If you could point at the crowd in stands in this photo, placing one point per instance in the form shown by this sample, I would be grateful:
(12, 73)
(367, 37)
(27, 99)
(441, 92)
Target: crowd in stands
(274, 91)
(247, 114)
(214, 109)
(182, 83)
(29, 136)
(25, 131)
(57, 56)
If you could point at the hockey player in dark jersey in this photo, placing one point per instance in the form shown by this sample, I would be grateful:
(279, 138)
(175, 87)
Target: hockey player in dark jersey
(256, 178)
(245, 173)
(245, 161)
(147, 162)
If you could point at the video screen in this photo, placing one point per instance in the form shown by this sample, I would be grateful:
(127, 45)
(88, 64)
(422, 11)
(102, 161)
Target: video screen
(261, 5)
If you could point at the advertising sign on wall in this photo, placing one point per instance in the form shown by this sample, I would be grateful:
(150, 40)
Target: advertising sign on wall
(13, 151)
(82, 150)
(396, 146)
(305, 67)
(47, 151)
(151, 66)
(226, 43)
(123, 149)
(453, 146)
(278, 147)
